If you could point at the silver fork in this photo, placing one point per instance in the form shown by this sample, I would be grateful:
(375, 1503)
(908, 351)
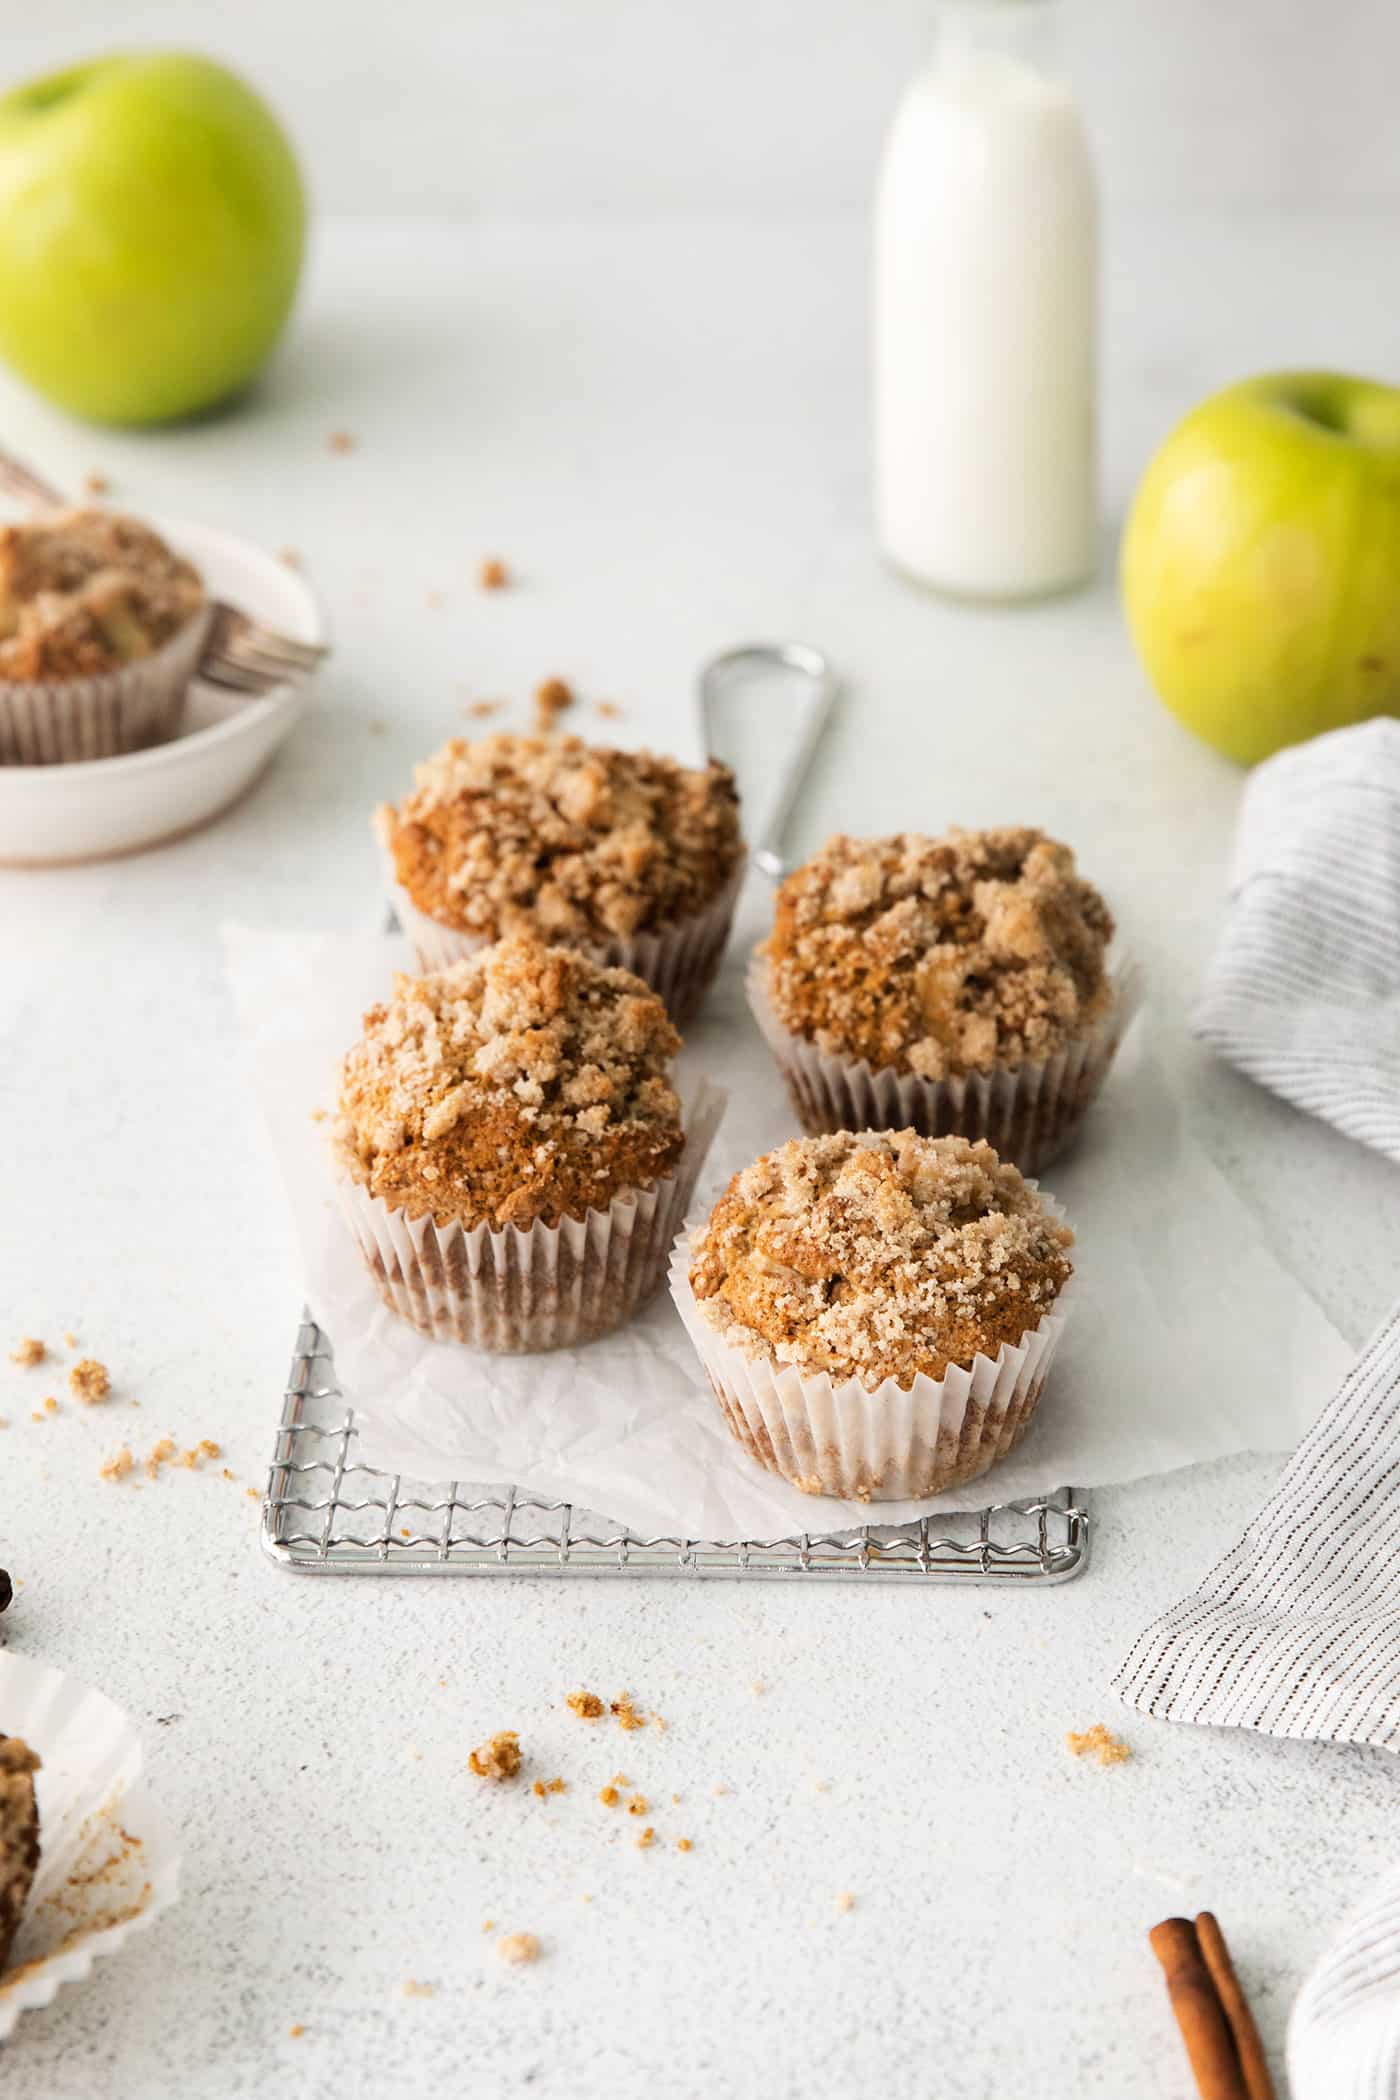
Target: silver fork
(239, 653)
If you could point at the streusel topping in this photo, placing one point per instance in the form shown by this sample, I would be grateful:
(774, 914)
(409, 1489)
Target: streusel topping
(940, 956)
(878, 1254)
(515, 834)
(83, 591)
(524, 1082)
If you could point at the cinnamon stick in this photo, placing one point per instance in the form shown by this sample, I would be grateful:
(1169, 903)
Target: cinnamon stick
(1258, 2085)
(1206, 2032)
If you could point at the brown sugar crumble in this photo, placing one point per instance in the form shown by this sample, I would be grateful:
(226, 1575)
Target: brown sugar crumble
(552, 699)
(545, 1787)
(940, 956)
(609, 1796)
(587, 1705)
(877, 1255)
(523, 1082)
(497, 1759)
(28, 1352)
(510, 834)
(1099, 1744)
(626, 1714)
(118, 1465)
(638, 1805)
(83, 591)
(493, 574)
(518, 1948)
(90, 1381)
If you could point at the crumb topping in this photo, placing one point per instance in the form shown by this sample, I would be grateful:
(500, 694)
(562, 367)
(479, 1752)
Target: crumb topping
(940, 956)
(512, 834)
(1099, 1743)
(82, 591)
(499, 1758)
(90, 1380)
(878, 1254)
(524, 1082)
(518, 1948)
(28, 1352)
(587, 1705)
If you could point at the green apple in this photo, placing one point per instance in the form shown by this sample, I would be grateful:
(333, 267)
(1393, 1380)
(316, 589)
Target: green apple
(152, 222)
(1261, 561)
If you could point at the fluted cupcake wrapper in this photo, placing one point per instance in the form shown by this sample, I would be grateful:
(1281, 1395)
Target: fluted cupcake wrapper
(679, 962)
(518, 1289)
(1028, 1113)
(57, 721)
(892, 1444)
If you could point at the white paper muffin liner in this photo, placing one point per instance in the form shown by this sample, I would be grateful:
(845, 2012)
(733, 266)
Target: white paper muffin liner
(892, 1444)
(680, 962)
(519, 1289)
(108, 1862)
(48, 722)
(1029, 1114)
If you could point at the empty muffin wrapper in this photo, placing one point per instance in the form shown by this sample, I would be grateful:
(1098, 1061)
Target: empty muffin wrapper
(57, 721)
(679, 962)
(108, 1863)
(516, 1289)
(889, 1444)
(1028, 1113)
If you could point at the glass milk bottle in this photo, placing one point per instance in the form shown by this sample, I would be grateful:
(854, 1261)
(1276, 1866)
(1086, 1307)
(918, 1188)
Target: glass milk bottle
(985, 299)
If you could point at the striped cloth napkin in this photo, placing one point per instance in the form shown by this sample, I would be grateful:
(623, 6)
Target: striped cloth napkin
(1297, 1631)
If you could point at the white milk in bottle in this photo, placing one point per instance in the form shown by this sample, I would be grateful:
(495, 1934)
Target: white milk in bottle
(985, 307)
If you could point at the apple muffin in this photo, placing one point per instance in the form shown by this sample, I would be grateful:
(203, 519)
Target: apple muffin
(876, 1310)
(626, 855)
(511, 1149)
(957, 985)
(101, 626)
(19, 1836)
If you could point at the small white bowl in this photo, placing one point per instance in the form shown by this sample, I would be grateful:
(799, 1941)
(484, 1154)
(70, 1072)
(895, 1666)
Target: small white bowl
(103, 806)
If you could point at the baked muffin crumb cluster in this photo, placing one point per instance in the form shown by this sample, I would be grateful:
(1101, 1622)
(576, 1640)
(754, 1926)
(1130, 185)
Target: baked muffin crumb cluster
(940, 956)
(509, 834)
(524, 1082)
(83, 591)
(878, 1255)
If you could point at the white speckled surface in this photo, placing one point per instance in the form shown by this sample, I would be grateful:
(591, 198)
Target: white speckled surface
(661, 426)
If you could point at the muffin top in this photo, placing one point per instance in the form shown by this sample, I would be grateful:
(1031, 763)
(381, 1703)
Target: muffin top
(83, 591)
(940, 956)
(531, 834)
(524, 1082)
(878, 1254)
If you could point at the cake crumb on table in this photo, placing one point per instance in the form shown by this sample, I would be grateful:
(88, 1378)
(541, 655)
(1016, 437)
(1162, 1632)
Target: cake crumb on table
(587, 1705)
(341, 441)
(685, 1845)
(1097, 1742)
(290, 557)
(29, 1351)
(50, 1405)
(552, 699)
(38, 1415)
(480, 709)
(90, 1381)
(609, 1796)
(497, 1759)
(542, 1787)
(488, 1924)
(493, 575)
(609, 710)
(628, 1716)
(638, 1805)
(845, 1901)
(296, 2031)
(413, 1989)
(647, 1839)
(196, 1455)
(517, 1948)
(71, 1340)
(95, 483)
(118, 1465)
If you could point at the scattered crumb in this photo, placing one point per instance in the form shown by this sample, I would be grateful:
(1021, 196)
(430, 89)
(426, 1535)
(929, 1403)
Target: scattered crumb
(684, 1845)
(647, 1839)
(1098, 1743)
(95, 484)
(404, 1532)
(518, 1948)
(318, 1115)
(227, 1473)
(552, 699)
(638, 1805)
(30, 1351)
(297, 2031)
(493, 574)
(197, 1454)
(435, 600)
(256, 1493)
(4, 1421)
(479, 709)
(89, 1380)
(118, 1465)
(71, 1340)
(609, 710)
(50, 1405)
(160, 1454)
(585, 1899)
(488, 1924)
(417, 1990)
(587, 1705)
(675, 1800)
(289, 557)
(341, 441)
(415, 1753)
(822, 1786)
(609, 1796)
(628, 1716)
(758, 1687)
(497, 1759)
(549, 1786)
(37, 1415)
(845, 1901)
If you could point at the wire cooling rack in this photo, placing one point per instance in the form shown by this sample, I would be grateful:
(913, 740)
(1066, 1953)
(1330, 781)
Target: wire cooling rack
(325, 1513)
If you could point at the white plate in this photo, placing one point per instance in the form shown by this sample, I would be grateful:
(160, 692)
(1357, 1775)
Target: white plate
(101, 806)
